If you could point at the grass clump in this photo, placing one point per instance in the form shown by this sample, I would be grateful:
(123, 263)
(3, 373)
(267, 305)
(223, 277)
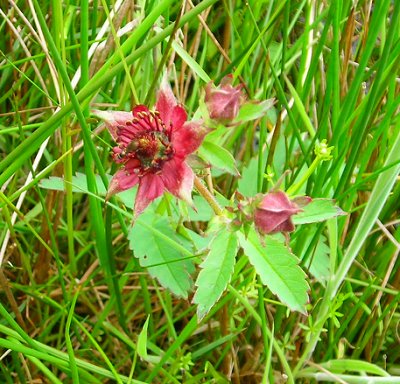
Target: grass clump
(89, 297)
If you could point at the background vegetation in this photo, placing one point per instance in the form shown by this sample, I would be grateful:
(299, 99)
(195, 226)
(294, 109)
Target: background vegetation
(75, 304)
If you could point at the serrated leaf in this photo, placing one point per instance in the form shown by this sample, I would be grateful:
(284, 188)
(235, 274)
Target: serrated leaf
(317, 210)
(155, 244)
(253, 111)
(278, 269)
(219, 157)
(193, 240)
(216, 271)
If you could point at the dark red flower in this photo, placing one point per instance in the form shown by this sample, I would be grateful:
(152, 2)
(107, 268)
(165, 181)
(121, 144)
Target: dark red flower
(223, 102)
(273, 213)
(152, 148)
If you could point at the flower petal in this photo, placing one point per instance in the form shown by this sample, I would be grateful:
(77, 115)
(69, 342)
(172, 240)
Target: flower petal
(140, 122)
(178, 179)
(286, 226)
(278, 202)
(166, 102)
(151, 186)
(121, 182)
(272, 222)
(125, 134)
(178, 117)
(273, 213)
(223, 102)
(113, 119)
(139, 109)
(188, 138)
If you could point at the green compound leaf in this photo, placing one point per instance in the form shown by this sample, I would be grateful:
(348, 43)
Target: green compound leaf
(317, 210)
(216, 271)
(253, 111)
(156, 245)
(278, 269)
(218, 157)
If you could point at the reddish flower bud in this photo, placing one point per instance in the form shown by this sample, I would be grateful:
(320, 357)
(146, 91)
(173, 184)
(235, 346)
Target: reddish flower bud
(223, 102)
(273, 213)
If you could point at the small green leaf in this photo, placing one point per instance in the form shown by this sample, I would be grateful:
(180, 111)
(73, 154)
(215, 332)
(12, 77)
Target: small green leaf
(318, 263)
(79, 185)
(219, 157)
(203, 210)
(278, 269)
(216, 271)
(142, 340)
(253, 111)
(317, 210)
(247, 184)
(155, 244)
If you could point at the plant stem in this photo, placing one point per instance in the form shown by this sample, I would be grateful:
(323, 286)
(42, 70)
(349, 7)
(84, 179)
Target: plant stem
(209, 197)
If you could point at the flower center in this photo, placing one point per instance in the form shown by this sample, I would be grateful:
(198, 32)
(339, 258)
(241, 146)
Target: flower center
(151, 145)
(152, 149)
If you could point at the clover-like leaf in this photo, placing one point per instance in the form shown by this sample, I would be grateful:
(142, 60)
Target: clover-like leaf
(278, 269)
(317, 210)
(216, 271)
(218, 157)
(156, 246)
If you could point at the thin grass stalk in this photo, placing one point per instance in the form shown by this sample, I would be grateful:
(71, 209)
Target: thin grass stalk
(4, 198)
(376, 202)
(121, 54)
(279, 351)
(58, 362)
(349, 104)
(50, 375)
(186, 332)
(46, 353)
(365, 116)
(68, 342)
(18, 156)
(264, 326)
(54, 246)
(90, 154)
(58, 33)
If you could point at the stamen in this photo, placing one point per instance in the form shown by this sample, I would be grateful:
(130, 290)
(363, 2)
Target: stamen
(141, 122)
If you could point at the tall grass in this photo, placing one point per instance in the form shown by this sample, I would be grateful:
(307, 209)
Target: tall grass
(74, 300)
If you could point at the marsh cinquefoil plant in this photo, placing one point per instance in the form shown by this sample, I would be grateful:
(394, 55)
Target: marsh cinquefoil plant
(152, 147)
(77, 306)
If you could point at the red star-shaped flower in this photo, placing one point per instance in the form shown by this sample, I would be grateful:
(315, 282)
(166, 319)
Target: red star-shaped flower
(152, 148)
